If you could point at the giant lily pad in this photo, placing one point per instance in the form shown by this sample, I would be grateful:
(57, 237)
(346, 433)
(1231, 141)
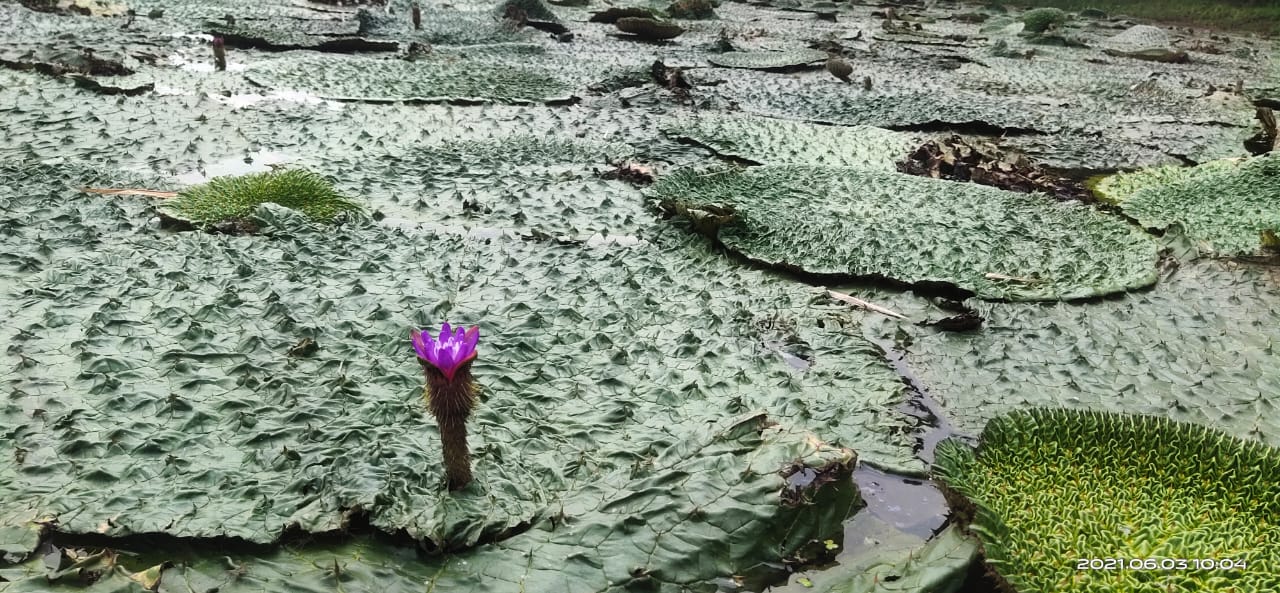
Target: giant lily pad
(907, 109)
(862, 223)
(662, 531)
(1198, 347)
(765, 140)
(438, 80)
(767, 60)
(1144, 42)
(340, 37)
(19, 541)
(179, 351)
(1091, 501)
(455, 25)
(1115, 189)
(1226, 210)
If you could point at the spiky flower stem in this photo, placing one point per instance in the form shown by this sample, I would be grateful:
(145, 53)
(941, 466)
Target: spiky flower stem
(451, 402)
(219, 54)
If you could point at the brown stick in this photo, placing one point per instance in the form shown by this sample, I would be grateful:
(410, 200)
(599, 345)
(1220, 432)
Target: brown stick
(857, 302)
(153, 193)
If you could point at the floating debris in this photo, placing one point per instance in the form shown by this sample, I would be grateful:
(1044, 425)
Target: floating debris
(954, 158)
(612, 14)
(1267, 138)
(646, 28)
(839, 68)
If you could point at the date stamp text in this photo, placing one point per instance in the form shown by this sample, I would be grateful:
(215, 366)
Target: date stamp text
(1160, 564)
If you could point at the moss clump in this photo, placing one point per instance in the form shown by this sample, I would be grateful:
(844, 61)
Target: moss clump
(1039, 20)
(1049, 488)
(235, 197)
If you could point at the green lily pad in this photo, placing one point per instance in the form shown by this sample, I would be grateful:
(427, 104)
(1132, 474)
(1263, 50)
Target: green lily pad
(765, 140)
(900, 564)
(458, 25)
(1115, 189)
(172, 350)
(19, 541)
(704, 511)
(1144, 42)
(864, 223)
(1198, 347)
(1065, 500)
(334, 36)
(1227, 210)
(430, 81)
(767, 60)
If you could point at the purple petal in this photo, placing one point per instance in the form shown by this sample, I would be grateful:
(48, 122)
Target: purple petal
(419, 340)
(449, 349)
(470, 340)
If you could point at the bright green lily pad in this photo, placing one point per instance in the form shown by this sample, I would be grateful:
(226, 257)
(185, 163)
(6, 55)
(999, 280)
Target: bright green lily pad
(862, 223)
(1115, 189)
(1227, 210)
(767, 60)
(765, 140)
(1048, 489)
(432, 81)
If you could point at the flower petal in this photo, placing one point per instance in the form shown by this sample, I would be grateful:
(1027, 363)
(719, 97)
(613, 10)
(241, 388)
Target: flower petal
(419, 341)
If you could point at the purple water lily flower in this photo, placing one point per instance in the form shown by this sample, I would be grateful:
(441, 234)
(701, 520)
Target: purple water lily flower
(450, 350)
(451, 393)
